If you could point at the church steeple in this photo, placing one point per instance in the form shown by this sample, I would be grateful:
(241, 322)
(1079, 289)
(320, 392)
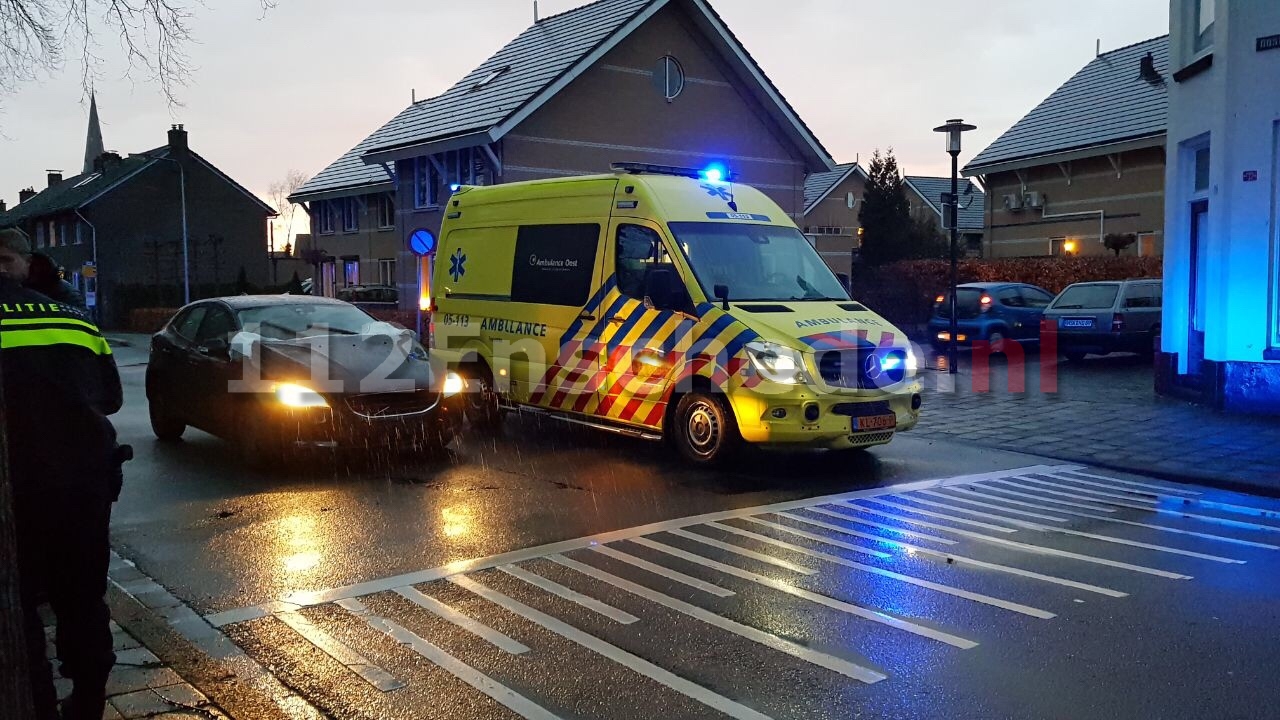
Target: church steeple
(93, 148)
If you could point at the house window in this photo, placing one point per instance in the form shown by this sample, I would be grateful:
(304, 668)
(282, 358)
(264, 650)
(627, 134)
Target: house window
(350, 214)
(40, 241)
(53, 233)
(324, 217)
(668, 77)
(387, 271)
(1202, 170)
(1202, 25)
(350, 271)
(386, 212)
(426, 183)
(79, 233)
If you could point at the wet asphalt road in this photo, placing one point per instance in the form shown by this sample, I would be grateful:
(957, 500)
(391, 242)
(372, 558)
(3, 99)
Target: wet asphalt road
(1016, 591)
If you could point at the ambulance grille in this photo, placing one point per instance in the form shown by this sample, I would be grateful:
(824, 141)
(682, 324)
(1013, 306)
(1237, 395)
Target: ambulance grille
(852, 368)
(875, 438)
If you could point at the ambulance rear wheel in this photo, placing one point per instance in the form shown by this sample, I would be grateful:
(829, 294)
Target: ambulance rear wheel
(704, 429)
(482, 401)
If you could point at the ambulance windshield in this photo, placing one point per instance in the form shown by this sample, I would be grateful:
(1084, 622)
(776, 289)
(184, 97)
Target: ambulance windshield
(756, 262)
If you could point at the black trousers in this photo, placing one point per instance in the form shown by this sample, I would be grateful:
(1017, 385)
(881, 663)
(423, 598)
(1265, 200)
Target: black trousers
(63, 553)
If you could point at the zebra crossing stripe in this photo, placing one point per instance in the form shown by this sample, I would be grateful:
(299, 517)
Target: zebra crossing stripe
(573, 596)
(471, 625)
(844, 667)
(336, 649)
(610, 651)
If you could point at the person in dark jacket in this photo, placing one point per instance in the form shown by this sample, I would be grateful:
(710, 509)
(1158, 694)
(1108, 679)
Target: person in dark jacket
(44, 277)
(60, 386)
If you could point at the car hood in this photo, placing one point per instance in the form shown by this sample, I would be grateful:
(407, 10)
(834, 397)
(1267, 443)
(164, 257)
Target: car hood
(817, 326)
(348, 364)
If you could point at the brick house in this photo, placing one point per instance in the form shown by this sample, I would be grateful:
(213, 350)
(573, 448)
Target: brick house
(924, 196)
(124, 217)
(1086, 162)
(660, 81)
(831, 202)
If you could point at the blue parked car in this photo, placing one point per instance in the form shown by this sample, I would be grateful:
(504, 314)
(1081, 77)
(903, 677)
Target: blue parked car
(994, 312)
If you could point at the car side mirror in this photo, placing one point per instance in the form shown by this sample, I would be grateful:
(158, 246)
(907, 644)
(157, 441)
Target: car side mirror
(721, 293)
(663, 289)
(216, 348)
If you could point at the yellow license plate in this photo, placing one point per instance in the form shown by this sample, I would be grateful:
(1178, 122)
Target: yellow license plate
(875, 422)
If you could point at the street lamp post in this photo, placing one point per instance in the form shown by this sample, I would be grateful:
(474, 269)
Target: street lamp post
(953, 129)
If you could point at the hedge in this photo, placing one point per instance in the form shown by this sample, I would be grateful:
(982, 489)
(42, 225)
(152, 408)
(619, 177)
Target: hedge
(904, 292)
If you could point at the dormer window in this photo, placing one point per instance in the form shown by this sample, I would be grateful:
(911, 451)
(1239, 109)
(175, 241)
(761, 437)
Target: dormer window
(490, 77)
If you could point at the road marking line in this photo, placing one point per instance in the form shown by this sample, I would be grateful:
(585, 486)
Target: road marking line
(871, 523)
(829, 540)
(849, 608)
(1135, 483)
(1162, 528)
(336, 649)
(1040, 549)
(466, 622)
(944, 516)
(612, 652)
(947, 589)
(304, 598)
(1095, 507)
(947, 556)
(668, 573)
(1147, 508)
(1087, 491)
(855, 533)
(573, 596)
(512, 700)
(1229, 507)
(777, 562)
(844, 667)
(993, 506)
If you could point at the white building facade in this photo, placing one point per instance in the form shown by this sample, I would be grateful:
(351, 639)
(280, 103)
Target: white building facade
(1221, 328)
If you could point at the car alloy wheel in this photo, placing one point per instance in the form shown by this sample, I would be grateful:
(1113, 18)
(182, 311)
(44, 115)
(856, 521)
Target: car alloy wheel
(704, 428)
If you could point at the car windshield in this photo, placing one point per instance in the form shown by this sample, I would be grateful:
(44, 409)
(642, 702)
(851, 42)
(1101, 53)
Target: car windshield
(756, 262)
(301, 320)
(1087, 297)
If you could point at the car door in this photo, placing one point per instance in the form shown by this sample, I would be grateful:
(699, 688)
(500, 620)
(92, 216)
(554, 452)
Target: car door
(212, 371)
(169, 372)
(641, 342)
(1013, 308)
(1036, 300)
(1141, 307)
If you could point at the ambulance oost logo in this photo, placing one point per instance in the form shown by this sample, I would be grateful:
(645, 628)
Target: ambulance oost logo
(457, 265)
(716, 191)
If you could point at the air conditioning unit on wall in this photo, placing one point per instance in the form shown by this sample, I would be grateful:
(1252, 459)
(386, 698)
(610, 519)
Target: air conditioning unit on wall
(1013, 202)
(1033, 200)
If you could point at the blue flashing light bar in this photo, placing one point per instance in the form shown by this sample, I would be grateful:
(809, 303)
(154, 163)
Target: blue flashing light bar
(722, 173)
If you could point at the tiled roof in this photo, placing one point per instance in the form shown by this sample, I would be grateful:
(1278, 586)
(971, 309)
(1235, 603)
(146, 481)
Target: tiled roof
(931, 189)
(348, 171)
(73, 192)
(817, 185)
(1106, 102)
(523, 69)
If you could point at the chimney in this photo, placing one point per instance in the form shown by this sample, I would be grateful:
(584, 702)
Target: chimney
(55, 177)
(106, 161)
(26, 194)
(177, 140)
(1147, 70)
(3, 206)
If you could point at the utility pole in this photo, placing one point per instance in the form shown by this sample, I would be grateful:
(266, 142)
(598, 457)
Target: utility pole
(15, 681)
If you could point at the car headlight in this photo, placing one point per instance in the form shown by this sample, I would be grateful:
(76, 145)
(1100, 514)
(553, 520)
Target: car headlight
(777, 363)
(453, 384)
(298, 396)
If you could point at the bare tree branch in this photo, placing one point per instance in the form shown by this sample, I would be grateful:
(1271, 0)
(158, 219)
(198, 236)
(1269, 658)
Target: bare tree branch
(36, 36)
(278, 193)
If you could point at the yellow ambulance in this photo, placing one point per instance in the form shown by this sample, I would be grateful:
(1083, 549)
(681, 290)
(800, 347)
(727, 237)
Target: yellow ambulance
(662, 303)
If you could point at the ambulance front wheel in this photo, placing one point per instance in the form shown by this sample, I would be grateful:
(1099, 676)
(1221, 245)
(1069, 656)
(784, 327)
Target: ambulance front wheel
(704, 429)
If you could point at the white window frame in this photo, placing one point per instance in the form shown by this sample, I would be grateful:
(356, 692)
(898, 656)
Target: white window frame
(386, 212)
(324, 217)
(347, 264)
(387, 271)
(426, 184)
(1201, 34)
(350, 215)
(40, 241)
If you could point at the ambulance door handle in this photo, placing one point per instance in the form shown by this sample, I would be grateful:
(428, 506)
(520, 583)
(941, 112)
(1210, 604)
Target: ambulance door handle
(617, 319)
(587, 316)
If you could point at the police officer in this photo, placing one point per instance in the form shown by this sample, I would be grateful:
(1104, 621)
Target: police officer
(60, 384)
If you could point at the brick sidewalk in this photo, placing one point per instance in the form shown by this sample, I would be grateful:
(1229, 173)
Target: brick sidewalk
(1105, 412)
(141, 686)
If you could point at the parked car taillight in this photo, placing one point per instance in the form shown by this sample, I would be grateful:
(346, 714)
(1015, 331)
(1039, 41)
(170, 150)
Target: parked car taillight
(1117, 323)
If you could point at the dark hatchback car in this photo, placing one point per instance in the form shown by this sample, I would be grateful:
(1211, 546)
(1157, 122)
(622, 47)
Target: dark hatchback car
(279, 373)
(993, 312)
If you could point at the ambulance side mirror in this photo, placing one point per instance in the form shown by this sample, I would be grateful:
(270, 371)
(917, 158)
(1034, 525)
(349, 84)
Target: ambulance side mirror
(663, 289)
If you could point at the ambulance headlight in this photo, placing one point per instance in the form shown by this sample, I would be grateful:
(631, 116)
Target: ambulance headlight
(913, 362)
(776, 363)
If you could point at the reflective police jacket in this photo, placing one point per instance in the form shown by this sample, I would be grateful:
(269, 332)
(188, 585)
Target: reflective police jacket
(60, 384)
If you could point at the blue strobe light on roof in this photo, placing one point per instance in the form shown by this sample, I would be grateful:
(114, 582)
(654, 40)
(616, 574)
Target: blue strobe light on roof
(715, 173)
